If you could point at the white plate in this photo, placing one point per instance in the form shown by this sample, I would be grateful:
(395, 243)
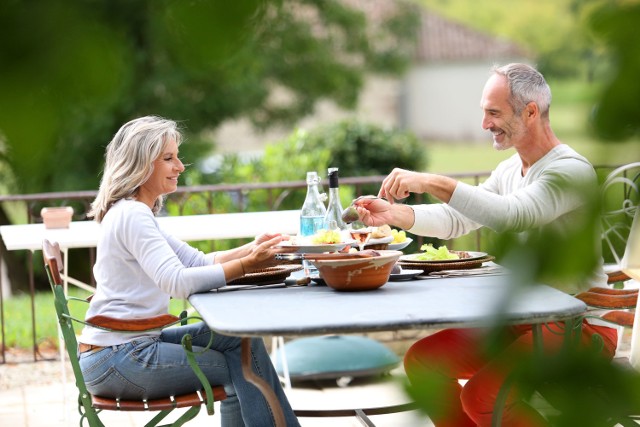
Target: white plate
(316, 249)
(472, 256)
(401, 245)
(380, 240)
(404, 275)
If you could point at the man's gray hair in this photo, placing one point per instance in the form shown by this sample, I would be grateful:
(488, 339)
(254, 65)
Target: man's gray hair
(526, 85)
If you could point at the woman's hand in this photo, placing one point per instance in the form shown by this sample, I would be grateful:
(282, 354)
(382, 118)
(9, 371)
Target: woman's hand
(263, 253)
(265, 237)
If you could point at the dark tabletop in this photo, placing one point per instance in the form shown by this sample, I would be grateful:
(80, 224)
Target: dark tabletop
(431, 303)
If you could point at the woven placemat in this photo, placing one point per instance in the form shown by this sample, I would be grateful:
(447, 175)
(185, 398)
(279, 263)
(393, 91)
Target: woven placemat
(266, 275)
(428, 267)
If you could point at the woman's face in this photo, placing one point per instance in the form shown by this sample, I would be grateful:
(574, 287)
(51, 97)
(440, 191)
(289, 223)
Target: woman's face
(164, 179)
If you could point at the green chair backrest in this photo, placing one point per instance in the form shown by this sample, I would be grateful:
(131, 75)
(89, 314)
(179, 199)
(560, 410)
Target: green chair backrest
(53, 265)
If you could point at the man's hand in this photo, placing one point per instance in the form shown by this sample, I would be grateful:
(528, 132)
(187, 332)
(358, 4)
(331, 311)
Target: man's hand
(400, 183)
(373, 211)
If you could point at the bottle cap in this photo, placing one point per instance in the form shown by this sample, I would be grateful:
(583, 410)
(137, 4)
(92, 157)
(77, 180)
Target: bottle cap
(312, 177)
(333, 177)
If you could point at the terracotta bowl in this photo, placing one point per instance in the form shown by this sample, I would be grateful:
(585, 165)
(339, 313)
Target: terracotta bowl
(359, 274)
(57, 217)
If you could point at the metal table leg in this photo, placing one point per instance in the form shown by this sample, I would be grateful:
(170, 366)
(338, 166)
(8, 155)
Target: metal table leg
(262, 385)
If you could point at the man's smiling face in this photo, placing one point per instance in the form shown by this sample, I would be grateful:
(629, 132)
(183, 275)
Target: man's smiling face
(498, 115)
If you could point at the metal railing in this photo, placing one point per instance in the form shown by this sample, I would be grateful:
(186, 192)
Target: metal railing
(191, 200)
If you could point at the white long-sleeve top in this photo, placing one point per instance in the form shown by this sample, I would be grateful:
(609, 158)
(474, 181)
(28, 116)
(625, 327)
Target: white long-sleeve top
(139, 267)
(547, 196)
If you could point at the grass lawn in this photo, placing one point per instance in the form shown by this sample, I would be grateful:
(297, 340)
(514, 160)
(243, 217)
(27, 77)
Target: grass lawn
(463, 157)
(19, 322)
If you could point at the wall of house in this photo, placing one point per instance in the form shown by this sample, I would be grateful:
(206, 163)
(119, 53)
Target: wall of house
(378, 103)
(438, 102)
(442, 101)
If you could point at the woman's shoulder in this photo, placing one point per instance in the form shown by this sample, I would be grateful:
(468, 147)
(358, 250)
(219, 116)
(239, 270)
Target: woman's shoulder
(126, 210)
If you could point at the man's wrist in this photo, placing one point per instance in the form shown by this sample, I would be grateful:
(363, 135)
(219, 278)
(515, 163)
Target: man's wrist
(402, 216)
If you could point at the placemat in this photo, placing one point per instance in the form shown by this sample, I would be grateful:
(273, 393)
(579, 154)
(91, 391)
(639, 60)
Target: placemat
(266, 276)
(437, 266)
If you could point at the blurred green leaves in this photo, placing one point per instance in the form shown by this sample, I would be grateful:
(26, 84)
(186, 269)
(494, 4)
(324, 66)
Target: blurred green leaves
(53, 60)
(616, 115)
(72, 71)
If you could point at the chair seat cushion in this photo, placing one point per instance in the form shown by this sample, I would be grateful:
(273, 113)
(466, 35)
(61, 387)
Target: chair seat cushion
(182, 401)
(335, 356)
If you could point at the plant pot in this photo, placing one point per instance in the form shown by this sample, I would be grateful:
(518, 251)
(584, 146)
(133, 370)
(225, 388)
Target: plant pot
(57, 217)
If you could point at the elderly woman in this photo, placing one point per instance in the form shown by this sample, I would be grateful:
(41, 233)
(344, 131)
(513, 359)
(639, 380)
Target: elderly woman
(139, 268)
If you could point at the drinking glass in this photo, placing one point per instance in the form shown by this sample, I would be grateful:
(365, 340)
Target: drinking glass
(361, 234)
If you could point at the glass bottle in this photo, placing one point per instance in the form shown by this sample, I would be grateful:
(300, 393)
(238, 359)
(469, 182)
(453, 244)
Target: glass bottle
(312, 217)
(313, 210)
(334, 209)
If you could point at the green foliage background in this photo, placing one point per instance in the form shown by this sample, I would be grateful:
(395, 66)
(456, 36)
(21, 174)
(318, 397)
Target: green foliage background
(355, 147)
(72, 72)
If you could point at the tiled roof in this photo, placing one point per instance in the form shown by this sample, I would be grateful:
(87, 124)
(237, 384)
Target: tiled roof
(444, 40)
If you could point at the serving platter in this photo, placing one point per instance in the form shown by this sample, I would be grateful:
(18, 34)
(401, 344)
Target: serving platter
(458, 264)
(464, 256)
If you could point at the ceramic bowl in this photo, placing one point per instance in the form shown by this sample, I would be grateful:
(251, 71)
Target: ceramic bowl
(357, 274)
(57, 217)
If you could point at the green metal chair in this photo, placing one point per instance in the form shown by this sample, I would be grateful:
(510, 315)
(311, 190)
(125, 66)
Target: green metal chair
(89, 405)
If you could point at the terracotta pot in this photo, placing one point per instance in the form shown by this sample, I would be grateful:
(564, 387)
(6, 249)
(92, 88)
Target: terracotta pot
(357, 274)
(57, 217)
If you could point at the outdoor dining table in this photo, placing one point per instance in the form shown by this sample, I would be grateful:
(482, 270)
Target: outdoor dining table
(474, 301)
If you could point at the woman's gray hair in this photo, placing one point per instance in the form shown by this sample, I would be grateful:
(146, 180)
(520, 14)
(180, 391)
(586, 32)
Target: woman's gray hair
(526, 85)
(129, 161)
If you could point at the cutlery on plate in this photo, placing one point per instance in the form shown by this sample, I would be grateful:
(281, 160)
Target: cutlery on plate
(367, 253)
(291, 281)
(482, 271)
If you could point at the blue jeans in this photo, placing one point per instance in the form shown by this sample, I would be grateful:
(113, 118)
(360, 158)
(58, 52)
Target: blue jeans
(152, 367)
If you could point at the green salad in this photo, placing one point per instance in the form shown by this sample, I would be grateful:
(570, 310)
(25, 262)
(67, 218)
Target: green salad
(433, 254)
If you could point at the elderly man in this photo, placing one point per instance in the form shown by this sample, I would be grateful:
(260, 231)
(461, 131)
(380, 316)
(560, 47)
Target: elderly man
(539, 188)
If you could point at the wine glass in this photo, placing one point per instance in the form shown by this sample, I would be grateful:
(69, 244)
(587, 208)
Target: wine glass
(360, 234)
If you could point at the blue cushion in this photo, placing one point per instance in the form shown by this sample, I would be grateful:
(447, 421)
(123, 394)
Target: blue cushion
(335, 356)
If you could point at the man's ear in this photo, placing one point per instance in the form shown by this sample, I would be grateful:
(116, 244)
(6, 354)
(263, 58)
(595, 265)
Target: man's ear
(531, 110)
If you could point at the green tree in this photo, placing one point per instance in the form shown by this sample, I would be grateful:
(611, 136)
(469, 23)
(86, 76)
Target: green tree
(355, 147)
(552, 30)
(617, 111)
(73, 71)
